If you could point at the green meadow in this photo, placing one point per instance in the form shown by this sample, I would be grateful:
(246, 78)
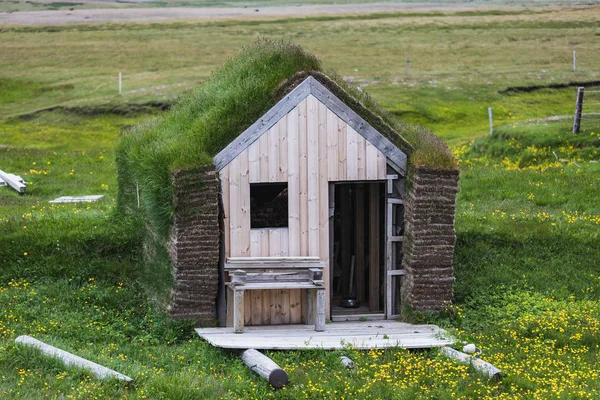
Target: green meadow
(528, 217)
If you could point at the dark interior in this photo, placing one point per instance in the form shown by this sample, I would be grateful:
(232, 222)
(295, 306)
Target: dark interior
(268, 205)
(358, 248)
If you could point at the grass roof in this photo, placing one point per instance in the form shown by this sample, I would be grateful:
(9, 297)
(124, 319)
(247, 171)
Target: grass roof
(209, 117)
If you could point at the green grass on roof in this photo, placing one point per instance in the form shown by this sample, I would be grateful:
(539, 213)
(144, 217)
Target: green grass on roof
(209, 117)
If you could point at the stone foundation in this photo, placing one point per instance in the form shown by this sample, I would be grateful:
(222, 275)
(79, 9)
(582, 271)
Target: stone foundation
(194, 244)
(429, 239)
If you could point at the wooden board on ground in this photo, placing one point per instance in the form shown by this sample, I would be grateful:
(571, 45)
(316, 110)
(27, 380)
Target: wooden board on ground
(76, 199)
(337, 335)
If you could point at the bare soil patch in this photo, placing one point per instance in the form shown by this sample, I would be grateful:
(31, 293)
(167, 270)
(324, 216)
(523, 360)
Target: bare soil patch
(62, 17)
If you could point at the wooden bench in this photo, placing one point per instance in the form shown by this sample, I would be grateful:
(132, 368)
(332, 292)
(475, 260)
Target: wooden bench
(275, 273)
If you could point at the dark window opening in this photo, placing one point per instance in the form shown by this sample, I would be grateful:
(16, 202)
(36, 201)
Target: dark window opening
(269, 205)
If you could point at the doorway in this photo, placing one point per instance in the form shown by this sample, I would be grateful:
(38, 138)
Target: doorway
(358, 251)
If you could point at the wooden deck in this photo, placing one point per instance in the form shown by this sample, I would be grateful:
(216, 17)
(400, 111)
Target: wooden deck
(337, 335)
(362, 313)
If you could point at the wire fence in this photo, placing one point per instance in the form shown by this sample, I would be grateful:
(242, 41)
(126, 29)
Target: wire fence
(590, 110)
(587, 108)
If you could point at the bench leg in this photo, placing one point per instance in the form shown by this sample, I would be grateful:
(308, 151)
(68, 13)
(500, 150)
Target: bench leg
(238, 311)
(310, 309)
(229, 321)
(319, 309)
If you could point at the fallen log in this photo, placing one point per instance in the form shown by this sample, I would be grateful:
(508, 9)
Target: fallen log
(72, 360)
(479, 365)
(13, 181)
(265, 367)
(347, 362)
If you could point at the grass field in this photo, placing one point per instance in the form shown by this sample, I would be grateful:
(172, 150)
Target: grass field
(528, 218)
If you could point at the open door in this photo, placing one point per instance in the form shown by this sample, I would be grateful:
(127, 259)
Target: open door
(358, 251)
(394, 238)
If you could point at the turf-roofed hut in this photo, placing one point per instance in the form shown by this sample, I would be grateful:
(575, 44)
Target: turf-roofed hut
(276, 194)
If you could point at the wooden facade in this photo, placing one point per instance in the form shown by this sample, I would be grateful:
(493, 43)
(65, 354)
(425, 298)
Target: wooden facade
(308, 147)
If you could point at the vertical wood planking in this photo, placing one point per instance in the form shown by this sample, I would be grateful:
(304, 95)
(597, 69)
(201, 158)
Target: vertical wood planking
(244, 212)
(374, 239)
(324, 199)
(345, 235)
(255, 243)
(274, 243)
(234, 207)
(224, 174)
(313, 175)
(351, 154)
(303, 175)
(332, 146)
(283, 149)
(248, 307)
(342, 129)
(294, 165)
(381, 165)
(371, 161)
(273, 159)
(253, 162)
(330, 244)
(284, 296)
(285, 236)
(359, 237)
(304, 306)
(275, 298)
(257, 314)
(308, 148)
(264, 242)
(266, 307)
(293, 184)
(263, 157)
(295, 306)
(361, 155)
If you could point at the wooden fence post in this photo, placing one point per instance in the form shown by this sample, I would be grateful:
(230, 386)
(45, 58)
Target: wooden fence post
(120, 84)
(407, 63)
(578, 108)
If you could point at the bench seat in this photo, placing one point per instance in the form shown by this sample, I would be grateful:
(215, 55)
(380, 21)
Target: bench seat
(275, 273)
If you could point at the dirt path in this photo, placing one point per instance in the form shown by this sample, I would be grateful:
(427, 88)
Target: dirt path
(62, 17)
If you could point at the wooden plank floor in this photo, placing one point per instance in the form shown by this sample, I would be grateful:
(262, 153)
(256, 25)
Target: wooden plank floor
(337, 335)
(362, 313)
